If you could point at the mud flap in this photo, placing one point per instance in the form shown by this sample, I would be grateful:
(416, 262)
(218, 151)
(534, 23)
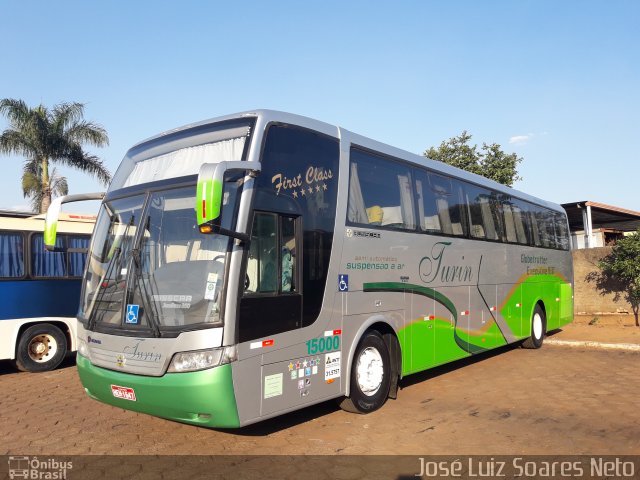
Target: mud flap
(396, 363)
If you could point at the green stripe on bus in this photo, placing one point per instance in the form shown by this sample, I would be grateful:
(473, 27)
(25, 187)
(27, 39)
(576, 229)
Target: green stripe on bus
(429, 293)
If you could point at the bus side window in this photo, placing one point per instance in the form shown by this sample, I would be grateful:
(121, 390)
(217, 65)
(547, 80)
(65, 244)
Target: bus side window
(428, 218)
(562, 231)
(45, 263)
(482, 221)
(441, 193)
(509, 223)
(380, 192)
(11, 255)
(76, 260)
(544, 225)
(523, 230)
(448, 196)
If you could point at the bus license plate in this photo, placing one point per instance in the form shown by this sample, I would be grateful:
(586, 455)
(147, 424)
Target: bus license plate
(124, 393)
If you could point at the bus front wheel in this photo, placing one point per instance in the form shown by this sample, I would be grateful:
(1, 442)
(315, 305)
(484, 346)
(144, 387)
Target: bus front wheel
(41, 347)
(370, 375)
(538, 329)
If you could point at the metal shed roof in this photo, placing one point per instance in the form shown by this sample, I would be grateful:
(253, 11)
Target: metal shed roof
(602, 216)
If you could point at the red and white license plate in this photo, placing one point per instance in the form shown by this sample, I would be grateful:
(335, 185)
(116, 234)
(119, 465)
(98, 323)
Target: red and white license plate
(124, 393)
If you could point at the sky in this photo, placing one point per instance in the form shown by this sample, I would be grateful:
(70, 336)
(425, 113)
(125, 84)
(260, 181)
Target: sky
(557, 82)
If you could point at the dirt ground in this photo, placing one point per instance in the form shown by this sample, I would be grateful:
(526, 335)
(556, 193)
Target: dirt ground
(556, 400)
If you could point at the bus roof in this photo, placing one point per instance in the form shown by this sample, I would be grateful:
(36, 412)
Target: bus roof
(265, 116)
(29, 222)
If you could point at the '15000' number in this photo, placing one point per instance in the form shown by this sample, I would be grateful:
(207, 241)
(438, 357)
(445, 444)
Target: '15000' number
(323, 344)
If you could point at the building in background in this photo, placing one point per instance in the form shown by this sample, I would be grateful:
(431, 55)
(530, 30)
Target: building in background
(594, 224)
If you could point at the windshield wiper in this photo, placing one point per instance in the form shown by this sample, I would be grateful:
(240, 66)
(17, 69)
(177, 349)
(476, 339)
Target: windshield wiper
(146, 292)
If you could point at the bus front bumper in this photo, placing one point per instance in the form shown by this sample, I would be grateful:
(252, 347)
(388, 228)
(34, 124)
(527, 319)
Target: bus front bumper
(205, 398)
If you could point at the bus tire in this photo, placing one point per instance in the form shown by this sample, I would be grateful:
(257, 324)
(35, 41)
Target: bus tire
(538, 328)
(370, 375)
(41, 348)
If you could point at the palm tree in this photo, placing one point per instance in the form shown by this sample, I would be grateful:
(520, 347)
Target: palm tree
(32, 185)
(44, 137)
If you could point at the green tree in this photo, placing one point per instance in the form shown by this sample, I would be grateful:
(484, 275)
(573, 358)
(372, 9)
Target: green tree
(32, 185)
(46, 136)
(620, 272)
(490, 161)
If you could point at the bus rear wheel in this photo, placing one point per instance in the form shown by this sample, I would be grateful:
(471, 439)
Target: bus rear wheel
(370, 375)
(538, 329)
(41, 348)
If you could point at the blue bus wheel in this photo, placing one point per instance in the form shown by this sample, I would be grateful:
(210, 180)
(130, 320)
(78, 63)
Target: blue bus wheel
(41, 347)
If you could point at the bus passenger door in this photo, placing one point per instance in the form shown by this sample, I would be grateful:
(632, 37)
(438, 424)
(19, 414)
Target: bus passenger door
(272, 300)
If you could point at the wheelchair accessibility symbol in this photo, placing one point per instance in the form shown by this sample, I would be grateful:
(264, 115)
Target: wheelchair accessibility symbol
(343, 283)
(132, 314)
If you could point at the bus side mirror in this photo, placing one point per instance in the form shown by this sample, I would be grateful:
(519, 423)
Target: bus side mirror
(53, 213)
(210, 191)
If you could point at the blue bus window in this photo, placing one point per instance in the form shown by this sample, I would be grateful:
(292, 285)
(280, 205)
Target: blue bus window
(11, 255)
(77, 259)
(45, 263)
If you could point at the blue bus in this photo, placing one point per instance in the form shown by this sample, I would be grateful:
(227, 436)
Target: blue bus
(39, 289)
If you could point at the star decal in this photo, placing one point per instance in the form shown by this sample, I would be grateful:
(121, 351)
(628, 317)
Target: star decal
(317, 188)
(310, 190)
(290, 366)
(324, 186)
(295, 194)
(302, 191)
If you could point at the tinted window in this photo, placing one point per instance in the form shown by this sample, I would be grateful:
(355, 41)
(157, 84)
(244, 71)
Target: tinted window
(484, 213)
(562, 231)
(11, 255)
(442, 208)
(379, 192)
(543, 223)
(517, 225)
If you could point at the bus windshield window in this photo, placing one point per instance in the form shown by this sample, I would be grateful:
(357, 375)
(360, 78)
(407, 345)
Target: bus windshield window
(105, 280)
(172, 278)
(181, 271)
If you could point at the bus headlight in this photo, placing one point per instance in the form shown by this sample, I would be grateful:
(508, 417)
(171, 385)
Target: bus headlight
(201, 359)
(83, 348)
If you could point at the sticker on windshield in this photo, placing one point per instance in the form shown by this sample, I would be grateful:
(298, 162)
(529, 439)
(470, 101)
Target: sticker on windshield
(210, 290)
(131, 316)
(174, 301)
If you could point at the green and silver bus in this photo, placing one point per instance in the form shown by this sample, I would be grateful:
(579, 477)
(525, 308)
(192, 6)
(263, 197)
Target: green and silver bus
(254, 264)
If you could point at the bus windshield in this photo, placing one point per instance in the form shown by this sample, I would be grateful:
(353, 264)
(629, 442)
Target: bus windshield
(150, 267)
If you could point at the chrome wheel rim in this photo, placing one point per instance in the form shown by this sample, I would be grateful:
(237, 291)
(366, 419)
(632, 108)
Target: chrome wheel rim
(369, 371)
